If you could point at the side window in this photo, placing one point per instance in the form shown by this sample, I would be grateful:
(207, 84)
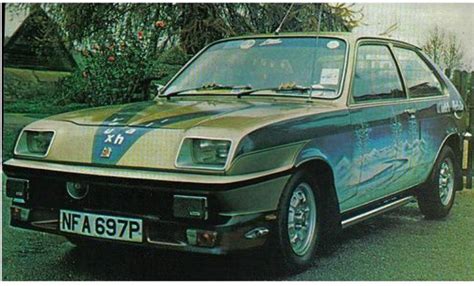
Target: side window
(419, 77)
(376, 76)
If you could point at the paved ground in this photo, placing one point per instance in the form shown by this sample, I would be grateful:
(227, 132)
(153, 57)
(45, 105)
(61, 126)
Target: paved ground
(400, 245)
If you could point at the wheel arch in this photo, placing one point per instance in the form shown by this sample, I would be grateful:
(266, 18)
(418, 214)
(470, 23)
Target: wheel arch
(455, 142)
(324, 175)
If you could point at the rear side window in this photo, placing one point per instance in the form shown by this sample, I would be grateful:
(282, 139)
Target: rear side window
(376, 75)
(419, 77)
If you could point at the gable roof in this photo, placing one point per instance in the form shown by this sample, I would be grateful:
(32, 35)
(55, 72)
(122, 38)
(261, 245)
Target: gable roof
(37, 44)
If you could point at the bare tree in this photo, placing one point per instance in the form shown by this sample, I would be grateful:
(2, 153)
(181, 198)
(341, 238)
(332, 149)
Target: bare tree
(444, 48)
(452, 54)
(435, 45)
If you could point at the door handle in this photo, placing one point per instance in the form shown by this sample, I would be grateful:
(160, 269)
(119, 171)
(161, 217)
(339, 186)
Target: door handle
(411, 112)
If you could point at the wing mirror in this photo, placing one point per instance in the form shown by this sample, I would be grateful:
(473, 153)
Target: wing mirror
(151, 86)
(157, 87)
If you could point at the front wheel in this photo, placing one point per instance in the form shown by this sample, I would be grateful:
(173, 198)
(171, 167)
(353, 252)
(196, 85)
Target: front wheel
(298, 230)
(436, 197)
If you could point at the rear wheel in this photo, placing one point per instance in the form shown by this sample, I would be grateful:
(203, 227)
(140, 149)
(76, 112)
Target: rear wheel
(298, 230)
(436, 197)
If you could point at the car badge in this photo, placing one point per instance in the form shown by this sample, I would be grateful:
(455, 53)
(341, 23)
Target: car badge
(106, 152)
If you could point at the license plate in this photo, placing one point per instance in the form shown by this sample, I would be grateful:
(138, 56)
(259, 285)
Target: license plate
(103, 226)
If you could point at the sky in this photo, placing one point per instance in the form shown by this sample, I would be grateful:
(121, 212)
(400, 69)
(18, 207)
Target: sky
(415, 21)
(13, 21)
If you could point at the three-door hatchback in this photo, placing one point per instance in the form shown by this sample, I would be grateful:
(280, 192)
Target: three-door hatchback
(272, 140)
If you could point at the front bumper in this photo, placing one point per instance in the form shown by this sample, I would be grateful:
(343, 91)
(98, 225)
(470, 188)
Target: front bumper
(234, 209)
(170, 235)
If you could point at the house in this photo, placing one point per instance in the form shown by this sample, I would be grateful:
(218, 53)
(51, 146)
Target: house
(37, 45)
(34, 54)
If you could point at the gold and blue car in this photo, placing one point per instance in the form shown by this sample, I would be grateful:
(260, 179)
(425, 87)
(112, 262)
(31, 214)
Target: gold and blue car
(271, 140)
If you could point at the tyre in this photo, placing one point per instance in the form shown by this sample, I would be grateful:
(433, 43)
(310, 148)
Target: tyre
(436, 197)
(298, 230)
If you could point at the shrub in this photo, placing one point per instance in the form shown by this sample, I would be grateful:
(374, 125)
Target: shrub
(114, 72)
(40, 106)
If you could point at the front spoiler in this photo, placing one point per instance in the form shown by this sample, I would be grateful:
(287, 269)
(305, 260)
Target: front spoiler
(167, 235)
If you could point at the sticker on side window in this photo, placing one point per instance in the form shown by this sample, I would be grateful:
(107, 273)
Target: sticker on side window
(329, 76)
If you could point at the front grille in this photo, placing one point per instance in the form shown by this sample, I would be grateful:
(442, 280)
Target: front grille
(130, 200)
(115, 198)
(49, 193)
(115, 195)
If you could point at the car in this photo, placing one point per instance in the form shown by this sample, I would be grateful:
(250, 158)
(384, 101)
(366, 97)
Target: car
(276, 141)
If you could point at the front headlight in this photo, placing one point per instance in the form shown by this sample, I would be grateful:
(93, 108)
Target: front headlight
(204, 153)
(210, 152)
(34, 143)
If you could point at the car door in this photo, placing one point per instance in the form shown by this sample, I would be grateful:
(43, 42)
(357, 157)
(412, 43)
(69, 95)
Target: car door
(376, 85)
(422, 117)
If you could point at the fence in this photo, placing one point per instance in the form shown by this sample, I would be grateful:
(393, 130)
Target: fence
(464, 82)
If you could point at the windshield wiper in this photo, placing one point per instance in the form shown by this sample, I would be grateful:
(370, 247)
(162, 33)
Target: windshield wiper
(284, 88)
(217, 86)
(211, 86)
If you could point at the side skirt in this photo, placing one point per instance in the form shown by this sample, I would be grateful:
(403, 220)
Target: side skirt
(363, 213)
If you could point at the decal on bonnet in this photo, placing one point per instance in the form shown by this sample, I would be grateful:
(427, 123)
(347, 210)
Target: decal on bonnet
(130, 131)
(120, 138)
(116, 139)
(111, 136)
(108, 131)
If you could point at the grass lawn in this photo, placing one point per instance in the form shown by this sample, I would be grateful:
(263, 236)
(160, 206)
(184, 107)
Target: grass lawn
(34, 75)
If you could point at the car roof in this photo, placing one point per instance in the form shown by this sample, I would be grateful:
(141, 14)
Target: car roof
(348, 36)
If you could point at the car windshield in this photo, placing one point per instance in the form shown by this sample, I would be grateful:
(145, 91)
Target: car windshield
(287, 66)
